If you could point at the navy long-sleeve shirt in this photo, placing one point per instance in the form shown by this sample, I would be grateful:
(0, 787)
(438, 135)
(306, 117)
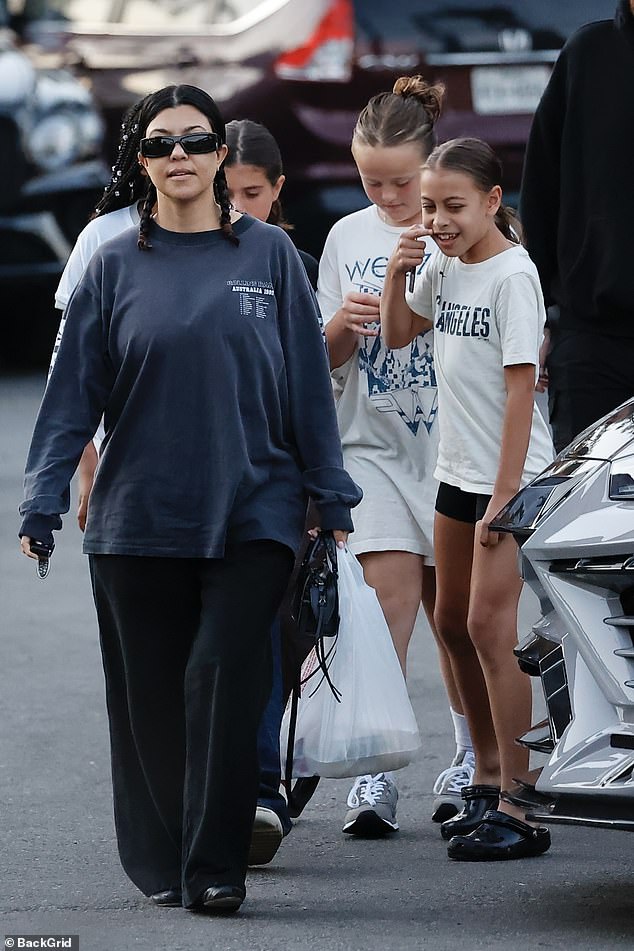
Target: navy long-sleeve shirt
(208, 363)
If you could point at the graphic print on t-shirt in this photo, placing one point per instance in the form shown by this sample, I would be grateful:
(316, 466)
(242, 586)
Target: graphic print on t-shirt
(399, 381)
(254, 297)
(463, 320)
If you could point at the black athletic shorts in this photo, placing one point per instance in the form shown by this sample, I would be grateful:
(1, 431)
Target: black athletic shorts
(462, 506)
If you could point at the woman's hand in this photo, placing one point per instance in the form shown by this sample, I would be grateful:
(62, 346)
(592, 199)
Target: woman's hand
(25, 545)
(340, 537)
(358, 310)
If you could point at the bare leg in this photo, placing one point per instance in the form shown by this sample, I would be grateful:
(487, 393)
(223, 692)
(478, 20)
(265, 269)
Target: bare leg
(492, 623)
(428, 599)
(453, 544)
(397, 577)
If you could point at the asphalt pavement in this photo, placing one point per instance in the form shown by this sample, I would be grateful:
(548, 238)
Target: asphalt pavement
(324, 891)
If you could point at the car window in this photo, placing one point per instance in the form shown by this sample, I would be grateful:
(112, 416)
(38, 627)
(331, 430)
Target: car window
(474, 25)
(156, 14)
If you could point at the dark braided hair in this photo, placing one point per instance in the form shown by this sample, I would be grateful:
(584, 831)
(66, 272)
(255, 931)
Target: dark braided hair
(128, 183)
(221, 194)
(146, 216)
(252, 144)
(168, 98)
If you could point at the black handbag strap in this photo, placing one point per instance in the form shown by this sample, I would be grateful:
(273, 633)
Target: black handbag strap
(318, 595)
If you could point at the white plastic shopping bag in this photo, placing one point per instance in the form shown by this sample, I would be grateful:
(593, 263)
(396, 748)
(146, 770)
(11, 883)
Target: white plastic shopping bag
(372, 729)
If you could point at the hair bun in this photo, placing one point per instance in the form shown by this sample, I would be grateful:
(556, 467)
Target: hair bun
(415, 87)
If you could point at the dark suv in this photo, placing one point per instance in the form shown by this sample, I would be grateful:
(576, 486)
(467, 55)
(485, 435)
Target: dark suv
(50, 160)
(305, 68)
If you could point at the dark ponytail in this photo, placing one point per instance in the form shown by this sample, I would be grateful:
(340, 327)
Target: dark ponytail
(252, 144)
(475, 158)
(168, 98)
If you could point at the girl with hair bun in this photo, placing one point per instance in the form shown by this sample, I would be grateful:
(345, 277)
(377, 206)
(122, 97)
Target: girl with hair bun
(387, 406)
(482, 295)
(197, 335)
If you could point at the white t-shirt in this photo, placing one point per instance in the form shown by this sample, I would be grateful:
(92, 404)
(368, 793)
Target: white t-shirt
(486, 316)
(94, 234)
(386, 399)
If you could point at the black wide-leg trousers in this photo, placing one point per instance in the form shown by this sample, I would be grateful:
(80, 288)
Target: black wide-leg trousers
(186, 652)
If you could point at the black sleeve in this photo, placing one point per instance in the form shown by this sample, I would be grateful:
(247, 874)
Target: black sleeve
(311, 266)
(74, 400)
(540, 191)
(312, 406)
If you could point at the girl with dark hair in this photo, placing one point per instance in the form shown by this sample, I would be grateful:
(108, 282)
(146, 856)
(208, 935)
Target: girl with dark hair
(386, 408)
(199, 339)
(255, 177)
(482, 296)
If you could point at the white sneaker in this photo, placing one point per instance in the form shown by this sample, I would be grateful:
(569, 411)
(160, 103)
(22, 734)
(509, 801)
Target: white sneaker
(372, 807)
(449, 785)
(266, 837)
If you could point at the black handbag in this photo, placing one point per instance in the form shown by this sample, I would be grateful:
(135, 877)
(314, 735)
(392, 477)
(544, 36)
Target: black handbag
(315, 616)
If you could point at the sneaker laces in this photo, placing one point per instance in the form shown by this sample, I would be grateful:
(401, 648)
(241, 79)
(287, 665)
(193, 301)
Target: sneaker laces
(367, 789)
(453, 779)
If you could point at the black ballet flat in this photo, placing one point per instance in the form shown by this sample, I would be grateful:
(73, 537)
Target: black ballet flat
(499, 837)
(478, 799)
(170, 898)
(220, 899)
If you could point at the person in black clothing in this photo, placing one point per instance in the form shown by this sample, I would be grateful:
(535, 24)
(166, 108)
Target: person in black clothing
(199, 339)
(577, 208)
(255, 177)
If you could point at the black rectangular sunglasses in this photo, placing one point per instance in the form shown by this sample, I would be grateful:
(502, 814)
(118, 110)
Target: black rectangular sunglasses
(194, 143)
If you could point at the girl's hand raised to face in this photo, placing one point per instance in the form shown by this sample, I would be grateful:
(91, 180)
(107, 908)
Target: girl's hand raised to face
(358, 310)
(410, 250)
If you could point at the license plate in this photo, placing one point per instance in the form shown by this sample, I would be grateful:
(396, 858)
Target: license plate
(497, 90)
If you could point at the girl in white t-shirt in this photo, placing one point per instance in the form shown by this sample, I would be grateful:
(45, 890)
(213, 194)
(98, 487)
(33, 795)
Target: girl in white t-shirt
(387, 404)
(483, 298)
(116, 210)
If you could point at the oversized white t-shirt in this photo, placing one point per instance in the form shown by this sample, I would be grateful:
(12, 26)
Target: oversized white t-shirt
(486, 316)
(386, 399)
(93, 235)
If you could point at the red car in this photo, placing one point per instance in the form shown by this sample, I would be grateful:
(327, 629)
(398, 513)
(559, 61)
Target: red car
(305, 68)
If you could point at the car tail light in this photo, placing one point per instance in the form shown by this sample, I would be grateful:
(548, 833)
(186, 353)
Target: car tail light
(327, 53)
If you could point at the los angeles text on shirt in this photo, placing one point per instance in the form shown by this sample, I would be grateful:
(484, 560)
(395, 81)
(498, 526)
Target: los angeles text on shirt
(463, 320)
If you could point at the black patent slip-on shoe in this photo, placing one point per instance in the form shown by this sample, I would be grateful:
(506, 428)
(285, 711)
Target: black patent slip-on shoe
(220, 899)
(170, 898)
(499, 837)
(477, 801)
